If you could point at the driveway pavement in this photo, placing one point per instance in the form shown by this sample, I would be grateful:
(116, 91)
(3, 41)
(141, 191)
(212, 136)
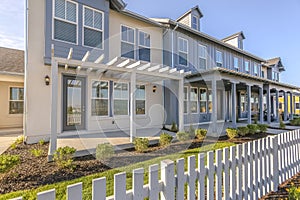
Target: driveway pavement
(7, 137)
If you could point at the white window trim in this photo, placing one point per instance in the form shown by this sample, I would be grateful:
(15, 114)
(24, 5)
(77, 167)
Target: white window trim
(64, 20)
(186, 99)
(197, 22)
(96, 29)
(238, 63)
(187, 51)
(255, 68)
(134, 40)
(222, 57)
(142, 100)
(248, 65)
(108, 98)
(128, 99)
(197, 100)
(206, 100)
(202, 57)
(139, 31)
(9, 100)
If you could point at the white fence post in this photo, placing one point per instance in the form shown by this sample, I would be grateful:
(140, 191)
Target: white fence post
(255, 167)
(180, 179)
(167, 176)
(153, 182)
(120, 186)
(74, 192)
(138, 183)
(99, 189)
(250, 170)
(211, 175)
(245, 170)
(274, 162)
(201, 176)
(219, 170)
(233, 172)
(191, 177)
(239, 173)
(226, 178)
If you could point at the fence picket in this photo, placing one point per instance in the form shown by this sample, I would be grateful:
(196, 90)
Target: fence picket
(180, 179)
(261, 167)
(250, 170)
(18, 198)
(274, 163)
(137, 184)
(47, 195)
(239, 172)
(153, 182)
(99, 189)
(232, 172)
(268, 162)
(167, 176)
(219, 169)
(226, 179)
(74, 192)
(255, 167)
(201, 176)
(191, 177)
(210, 175)
(120, 186)
(245, 171)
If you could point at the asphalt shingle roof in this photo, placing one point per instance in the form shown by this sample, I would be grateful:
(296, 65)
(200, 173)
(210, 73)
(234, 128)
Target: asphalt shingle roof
(11, 60)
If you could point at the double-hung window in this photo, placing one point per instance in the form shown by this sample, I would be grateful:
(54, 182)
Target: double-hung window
(246, 66)
(203, 99)
(297, 106)
(219, 58)
(65, 21)
(202, 56)
(121, 98)
(144, 46)
(100, 98)
(93, 28)
(16, 100)
(195, 24)
(127, 42)
(185, 90)
(183, 51)
(210, 101)
(194, 100)
(140, 97)
(236, 63)
(255, 69)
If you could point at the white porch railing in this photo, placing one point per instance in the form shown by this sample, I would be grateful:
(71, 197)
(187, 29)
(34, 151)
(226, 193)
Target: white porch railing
(246, 171)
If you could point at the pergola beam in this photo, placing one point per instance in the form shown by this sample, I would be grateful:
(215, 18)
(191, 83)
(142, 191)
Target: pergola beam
(86, 56)
(99, 59)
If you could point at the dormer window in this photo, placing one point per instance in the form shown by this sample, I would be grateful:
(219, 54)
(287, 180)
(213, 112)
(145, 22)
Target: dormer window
(195, 23)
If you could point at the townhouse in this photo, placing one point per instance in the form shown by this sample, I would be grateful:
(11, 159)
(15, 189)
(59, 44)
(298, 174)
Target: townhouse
(93, 66)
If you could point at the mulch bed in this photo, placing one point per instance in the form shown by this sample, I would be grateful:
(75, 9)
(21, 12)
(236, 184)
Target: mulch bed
(33, 172)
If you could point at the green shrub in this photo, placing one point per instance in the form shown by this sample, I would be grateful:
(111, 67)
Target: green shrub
(8, 161)
(231, 133)
(191, 132)
(41, 142)
(182, 136)
(294, 193)
(253, 128)
(295, 122)
(262, 127)
(63, 157)
(243, 131)
(20, 140)
(13, 146)
(36, 152)
(165, 139)
(281, 125)
(174, 127)
(200, 133)
(104, 151)
(141, 144)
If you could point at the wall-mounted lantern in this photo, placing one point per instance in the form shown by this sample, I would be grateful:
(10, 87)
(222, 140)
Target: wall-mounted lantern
(154, 88)
(47, 80)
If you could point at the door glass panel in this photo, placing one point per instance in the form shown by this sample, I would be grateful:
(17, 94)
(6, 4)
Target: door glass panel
(74, 102)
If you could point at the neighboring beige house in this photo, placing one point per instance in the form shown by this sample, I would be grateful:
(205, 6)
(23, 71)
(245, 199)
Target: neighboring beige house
(11, 87)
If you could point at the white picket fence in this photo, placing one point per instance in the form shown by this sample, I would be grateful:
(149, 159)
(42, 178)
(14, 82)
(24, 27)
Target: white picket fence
(247, 171)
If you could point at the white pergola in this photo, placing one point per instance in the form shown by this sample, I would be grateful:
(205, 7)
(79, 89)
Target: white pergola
(118, 67)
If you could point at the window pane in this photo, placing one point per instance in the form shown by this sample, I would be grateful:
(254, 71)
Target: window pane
(16, 94)
(130, 35)
(98, 20)
(71, 11)
(185, 93)
(194, 94)
(88, 17)
(142, 38)
(183, 59)
(127, 50)
(99, 107)
(140, 92)
(16, 107)
(235, 62)
(121, 107)
(194, 106)
(140, 107)
(144, 54)
(92, 38)
(203, 106)
(202, 63)
(65, 31)
(203, 96)
(100, 89)
(124, 33)
(246, 66)
(185, 107)
(60, 9)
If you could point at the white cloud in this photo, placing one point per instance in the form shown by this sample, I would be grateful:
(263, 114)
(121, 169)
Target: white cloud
(11, 41)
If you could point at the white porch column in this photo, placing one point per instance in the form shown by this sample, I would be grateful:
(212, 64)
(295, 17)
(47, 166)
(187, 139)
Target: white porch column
(132, 106)
(261, 105)
(214, 106)
(291, 106)
(268, 105)
(277, 106)
(180, 105)
(285, 113)
(233, 103)
(54, 96)
(249, 103)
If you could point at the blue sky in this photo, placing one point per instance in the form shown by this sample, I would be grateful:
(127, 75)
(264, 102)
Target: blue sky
(271, 27)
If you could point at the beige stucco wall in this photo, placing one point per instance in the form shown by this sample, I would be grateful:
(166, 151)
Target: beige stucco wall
(38, 106)
(9, 120)
(115, 22)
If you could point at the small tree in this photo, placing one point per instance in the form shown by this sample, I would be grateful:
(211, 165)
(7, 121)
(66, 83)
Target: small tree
(104, 151)
(63, 157)
(141, 144)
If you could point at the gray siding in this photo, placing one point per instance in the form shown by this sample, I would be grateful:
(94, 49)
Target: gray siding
(62, 48)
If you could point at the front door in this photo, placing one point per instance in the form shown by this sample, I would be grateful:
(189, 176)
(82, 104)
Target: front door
(73, 103)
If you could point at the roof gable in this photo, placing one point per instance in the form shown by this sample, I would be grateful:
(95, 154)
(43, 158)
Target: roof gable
(239, 34)
(196, 8)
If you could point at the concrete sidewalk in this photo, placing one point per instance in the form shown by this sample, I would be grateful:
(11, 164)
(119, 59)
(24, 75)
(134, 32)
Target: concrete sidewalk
(7, 137)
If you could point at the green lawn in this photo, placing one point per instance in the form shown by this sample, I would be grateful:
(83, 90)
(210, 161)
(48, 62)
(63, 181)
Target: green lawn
(87, 180)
